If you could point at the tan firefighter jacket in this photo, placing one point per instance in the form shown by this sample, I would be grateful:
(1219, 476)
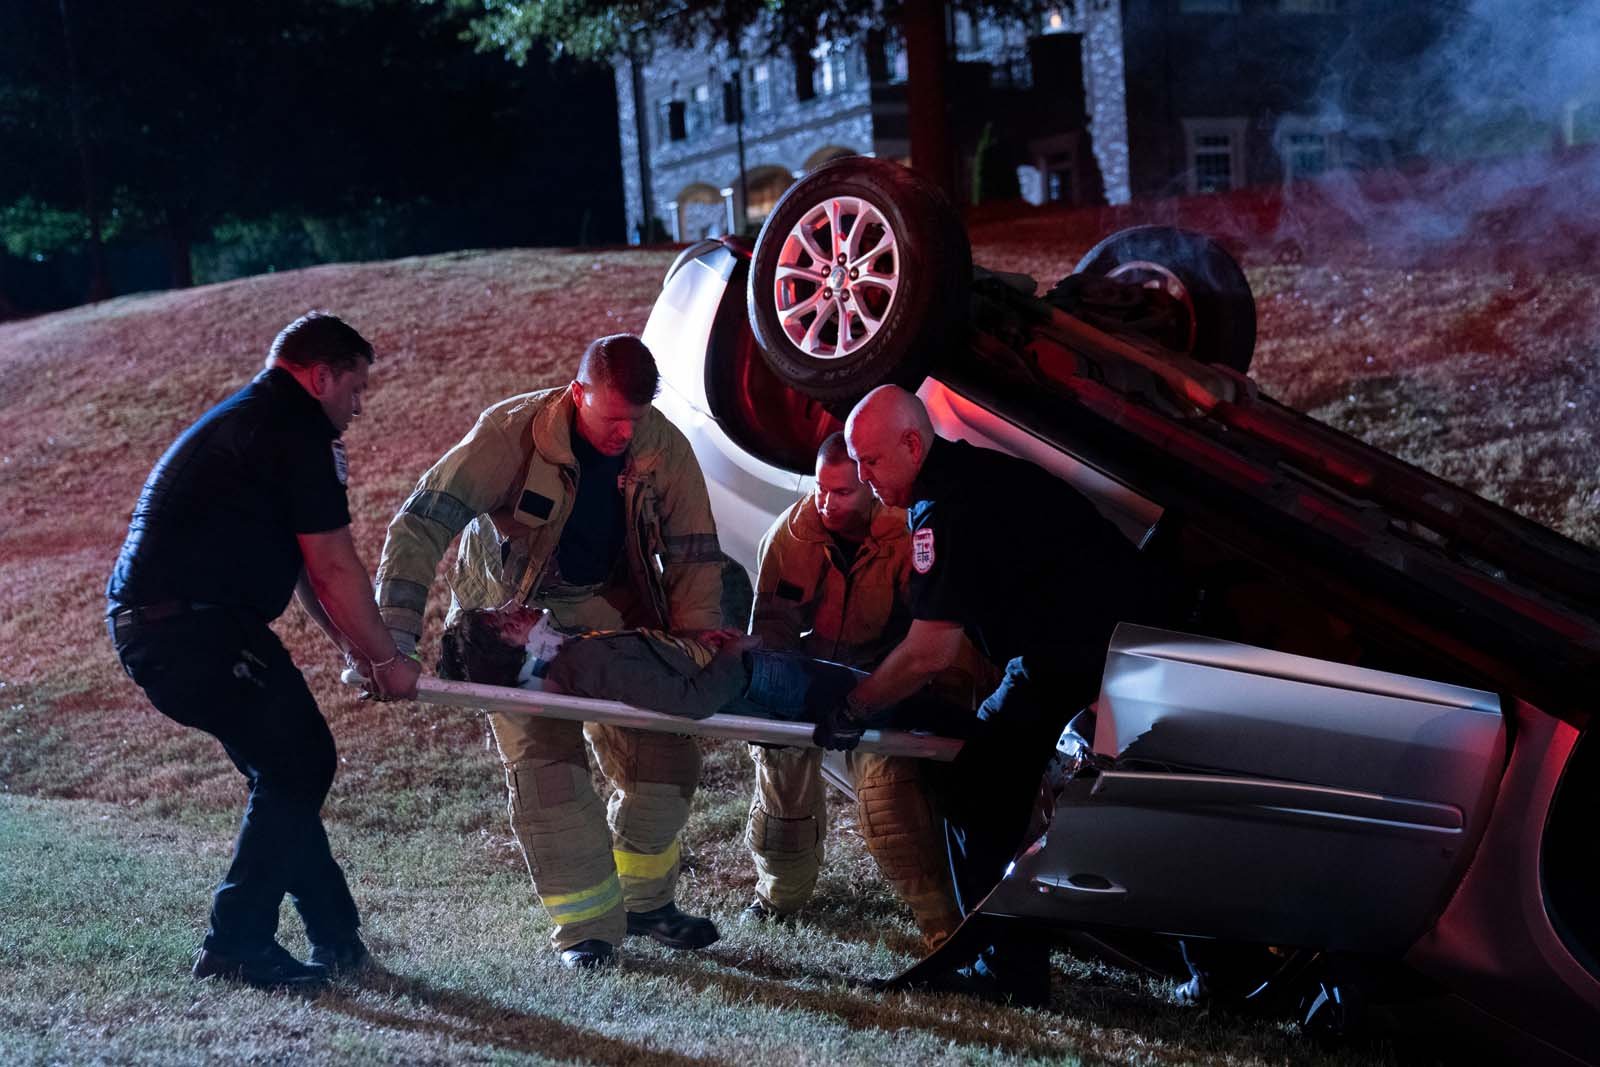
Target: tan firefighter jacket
(855, 610)
(509, 484)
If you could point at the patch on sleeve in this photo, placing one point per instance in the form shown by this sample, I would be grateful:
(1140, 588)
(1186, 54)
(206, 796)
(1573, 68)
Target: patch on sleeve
(341, 466)
(790, 591)
(536, 504)
(922, 550)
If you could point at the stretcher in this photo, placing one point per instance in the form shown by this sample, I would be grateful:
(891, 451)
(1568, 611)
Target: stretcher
(472, 696)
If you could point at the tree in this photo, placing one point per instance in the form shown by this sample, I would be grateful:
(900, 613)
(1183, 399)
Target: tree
(591, 28)
(177, 117)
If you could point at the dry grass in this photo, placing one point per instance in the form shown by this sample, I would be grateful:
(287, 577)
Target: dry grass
(1483, 375)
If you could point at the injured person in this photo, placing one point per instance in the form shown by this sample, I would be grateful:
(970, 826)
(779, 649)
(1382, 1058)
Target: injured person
(517, 647)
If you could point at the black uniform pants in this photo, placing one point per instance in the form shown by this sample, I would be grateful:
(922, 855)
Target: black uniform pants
(214, 670)
(989, 790)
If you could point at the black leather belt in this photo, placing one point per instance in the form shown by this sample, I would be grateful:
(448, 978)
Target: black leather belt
(138, 615)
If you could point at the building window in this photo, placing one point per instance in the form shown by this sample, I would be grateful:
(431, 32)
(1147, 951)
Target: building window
(1309, 7)
(1215, 153)
(1213, 163)
(885, 56)
(760, 89)
(701, 116)
(1308, 146)
(677, 124)
(1208, 7)
(1305, 154)
(831, 67)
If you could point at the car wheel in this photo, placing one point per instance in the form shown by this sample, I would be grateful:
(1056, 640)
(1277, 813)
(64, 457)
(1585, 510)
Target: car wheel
(860, 276)
(1218, 324)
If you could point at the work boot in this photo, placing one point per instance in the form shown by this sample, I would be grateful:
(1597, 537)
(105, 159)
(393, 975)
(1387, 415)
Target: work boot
(759, 911)
(342, 958)
(1021, 982)
(672, 927)
(588, 955)
(272, 968)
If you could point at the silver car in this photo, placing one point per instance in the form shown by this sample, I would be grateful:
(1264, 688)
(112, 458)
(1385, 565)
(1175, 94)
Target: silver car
(1364, 772)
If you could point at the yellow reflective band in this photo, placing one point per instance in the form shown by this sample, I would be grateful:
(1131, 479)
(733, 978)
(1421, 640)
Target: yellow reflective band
(645, 865)
(586, 904)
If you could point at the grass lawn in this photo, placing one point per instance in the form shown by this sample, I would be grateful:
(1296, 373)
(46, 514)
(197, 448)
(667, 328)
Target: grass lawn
(114, 823)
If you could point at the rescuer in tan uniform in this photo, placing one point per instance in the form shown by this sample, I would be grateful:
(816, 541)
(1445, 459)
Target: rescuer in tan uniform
(587, 502)
(832, 577)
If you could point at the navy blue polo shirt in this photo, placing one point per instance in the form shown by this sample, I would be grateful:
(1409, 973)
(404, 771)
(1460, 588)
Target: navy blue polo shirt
(217, 519)
(591, 540)
(1018, 557)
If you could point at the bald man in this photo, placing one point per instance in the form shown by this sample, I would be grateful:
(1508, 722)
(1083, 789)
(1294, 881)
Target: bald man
(1022, 564)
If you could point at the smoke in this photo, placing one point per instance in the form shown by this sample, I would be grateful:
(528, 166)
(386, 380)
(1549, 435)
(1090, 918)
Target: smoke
(1472, 124)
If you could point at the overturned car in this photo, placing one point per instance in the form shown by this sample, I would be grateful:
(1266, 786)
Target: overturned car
(1363, 770)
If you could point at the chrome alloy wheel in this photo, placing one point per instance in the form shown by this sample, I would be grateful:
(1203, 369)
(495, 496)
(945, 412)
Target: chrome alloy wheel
(836, 279)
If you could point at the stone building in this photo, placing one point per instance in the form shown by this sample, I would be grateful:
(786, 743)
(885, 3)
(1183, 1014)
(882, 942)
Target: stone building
(1095, 101)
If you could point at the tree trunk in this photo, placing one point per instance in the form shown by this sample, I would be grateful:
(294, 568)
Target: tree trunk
(180, 246)
(927, 54)
(99, 276)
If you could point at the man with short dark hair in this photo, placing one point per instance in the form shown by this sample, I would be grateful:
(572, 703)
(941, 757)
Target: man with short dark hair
(247, 508)
(583, 500)
(832, 578)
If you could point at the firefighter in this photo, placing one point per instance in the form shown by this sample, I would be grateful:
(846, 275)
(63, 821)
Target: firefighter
(832, 579)
(585, 501)
(1018, 561)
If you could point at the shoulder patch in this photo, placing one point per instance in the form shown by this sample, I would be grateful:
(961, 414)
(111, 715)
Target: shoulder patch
(341, 466)
(536, 504)
(922, 550)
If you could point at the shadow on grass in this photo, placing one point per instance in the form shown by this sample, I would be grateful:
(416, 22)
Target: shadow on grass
(859, 1006)
(475, 1020)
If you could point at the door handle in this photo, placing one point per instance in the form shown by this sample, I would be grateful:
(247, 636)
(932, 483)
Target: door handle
(1082, 885)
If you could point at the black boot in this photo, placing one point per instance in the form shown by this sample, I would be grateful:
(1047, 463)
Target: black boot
(588, 955)
(273, 968)
(343, 958)
(672, 927)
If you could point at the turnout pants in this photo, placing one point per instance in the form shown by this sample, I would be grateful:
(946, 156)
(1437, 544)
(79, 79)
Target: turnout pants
(214, 670)
(590, 863)
(788, 822)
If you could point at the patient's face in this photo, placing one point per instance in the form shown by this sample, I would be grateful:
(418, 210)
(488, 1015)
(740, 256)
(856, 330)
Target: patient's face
(515, 621)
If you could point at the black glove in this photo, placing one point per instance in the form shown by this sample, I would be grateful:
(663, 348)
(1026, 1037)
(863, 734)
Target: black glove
(837, 729)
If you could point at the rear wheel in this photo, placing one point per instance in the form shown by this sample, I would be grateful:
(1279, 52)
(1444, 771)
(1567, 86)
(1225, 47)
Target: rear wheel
(860, 277)
(1200, 292)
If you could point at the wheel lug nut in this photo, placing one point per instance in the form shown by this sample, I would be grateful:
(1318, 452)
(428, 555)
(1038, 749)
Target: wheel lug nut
(854, 273)
(841, 259)
(827, 294)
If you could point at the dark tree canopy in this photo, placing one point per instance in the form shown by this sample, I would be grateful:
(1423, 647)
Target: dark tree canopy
(195, 114)
(589, 28)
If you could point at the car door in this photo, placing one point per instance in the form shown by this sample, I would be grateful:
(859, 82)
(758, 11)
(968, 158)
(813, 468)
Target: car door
(1254, 795)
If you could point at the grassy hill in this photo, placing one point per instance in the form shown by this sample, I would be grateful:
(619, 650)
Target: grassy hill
(114, 822)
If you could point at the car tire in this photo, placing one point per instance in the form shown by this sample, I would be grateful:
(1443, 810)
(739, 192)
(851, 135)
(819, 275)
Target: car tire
(1196, 270)
(902, 307)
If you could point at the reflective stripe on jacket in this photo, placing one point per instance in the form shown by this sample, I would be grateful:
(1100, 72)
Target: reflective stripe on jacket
(509, 485)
